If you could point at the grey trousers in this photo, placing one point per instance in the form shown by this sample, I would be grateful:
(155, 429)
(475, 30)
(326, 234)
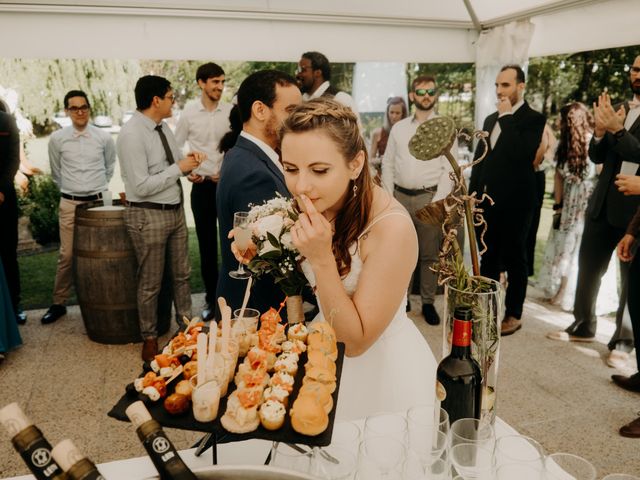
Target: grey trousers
(429, 239)
(156, 235)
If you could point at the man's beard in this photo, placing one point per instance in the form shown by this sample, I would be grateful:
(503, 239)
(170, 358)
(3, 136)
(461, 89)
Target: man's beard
(271, 130)
(303, 88)
(420, 106)
(635, 87)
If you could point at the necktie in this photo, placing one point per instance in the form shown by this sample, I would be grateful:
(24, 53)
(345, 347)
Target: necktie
(165, 145)
(168, 153)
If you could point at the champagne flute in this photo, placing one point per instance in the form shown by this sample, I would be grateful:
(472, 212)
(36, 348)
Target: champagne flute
(242, 238)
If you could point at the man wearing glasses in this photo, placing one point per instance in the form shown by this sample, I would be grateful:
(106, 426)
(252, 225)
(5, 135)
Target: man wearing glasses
(416, 183)
(151, 166)
(82, 158)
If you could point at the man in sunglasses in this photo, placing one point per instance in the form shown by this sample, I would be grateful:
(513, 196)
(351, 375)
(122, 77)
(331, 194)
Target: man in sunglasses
(416, 183)
(82, 159)
(507, 175)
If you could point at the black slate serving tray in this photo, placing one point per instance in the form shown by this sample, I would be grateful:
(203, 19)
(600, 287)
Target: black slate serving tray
(285, 434)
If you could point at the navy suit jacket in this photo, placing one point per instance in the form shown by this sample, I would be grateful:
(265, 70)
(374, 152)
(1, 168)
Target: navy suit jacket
(506, 174)
(248, 176)
(606, 200)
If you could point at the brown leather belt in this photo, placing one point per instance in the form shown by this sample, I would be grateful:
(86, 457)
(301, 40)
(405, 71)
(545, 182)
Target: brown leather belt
(155, 206)
(418, 191)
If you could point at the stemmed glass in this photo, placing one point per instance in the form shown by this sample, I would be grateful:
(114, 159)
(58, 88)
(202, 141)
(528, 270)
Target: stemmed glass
(242, 239)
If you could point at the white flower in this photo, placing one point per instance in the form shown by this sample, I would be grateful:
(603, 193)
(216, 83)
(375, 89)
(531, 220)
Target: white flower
(270, 224)
(287, 242)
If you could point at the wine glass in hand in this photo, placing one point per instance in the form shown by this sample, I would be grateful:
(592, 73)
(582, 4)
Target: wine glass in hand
(242, 239)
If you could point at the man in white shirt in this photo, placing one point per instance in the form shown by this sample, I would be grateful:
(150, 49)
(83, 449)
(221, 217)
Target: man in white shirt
(314, 76)
(252, 173)
(202, 124)
(416, 183)
(82, 159)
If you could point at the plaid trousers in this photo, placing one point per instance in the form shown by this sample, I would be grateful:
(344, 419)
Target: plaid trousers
(158, 235)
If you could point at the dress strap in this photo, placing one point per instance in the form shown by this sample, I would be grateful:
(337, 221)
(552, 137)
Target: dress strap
(384, 215)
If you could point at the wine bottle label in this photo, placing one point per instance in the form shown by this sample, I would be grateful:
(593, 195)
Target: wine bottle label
(160, 449)
(441, 392)
(461, 333)
(38, 458)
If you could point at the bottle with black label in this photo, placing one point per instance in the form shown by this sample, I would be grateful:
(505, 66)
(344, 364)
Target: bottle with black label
(459, 380)
(28, 440)
(162, 452)
(74, 463)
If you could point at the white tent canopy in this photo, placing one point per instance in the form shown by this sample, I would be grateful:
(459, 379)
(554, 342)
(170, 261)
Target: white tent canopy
(279, 30)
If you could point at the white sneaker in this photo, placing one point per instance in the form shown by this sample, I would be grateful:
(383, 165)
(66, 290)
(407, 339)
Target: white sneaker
(617, 359)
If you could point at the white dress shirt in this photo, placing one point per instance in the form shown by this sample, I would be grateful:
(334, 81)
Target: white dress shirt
(82, 163)
(340, 97)
(202, 130)
(147, 174)
(495, 133)
(401, 168)
(270, 152)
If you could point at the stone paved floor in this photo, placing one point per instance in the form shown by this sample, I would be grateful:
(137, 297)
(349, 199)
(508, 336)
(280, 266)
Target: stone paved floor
(560, 394)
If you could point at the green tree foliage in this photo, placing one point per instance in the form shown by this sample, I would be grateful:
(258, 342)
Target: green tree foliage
(42, 85)
(40, 204)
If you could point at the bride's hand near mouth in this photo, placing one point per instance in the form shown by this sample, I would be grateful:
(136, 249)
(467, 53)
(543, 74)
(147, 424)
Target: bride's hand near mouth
(312, 234)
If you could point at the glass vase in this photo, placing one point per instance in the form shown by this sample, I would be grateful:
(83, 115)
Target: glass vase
(486, 299)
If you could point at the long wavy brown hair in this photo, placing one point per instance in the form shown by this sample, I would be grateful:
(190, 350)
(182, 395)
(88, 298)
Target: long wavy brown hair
(341, 126)
(576, 125)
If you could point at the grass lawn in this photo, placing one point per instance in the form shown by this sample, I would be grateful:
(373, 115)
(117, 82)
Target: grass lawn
(38, 271)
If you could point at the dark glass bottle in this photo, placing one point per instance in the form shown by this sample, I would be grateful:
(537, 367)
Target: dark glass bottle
(459, 380)
(29, 442)
(162, 452)
(74, 463)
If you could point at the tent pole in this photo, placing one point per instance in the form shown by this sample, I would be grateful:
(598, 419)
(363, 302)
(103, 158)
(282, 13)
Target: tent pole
(472, 15)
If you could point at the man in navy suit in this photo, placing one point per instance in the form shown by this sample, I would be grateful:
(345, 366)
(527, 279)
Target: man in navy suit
(252, 173)
(507, 175)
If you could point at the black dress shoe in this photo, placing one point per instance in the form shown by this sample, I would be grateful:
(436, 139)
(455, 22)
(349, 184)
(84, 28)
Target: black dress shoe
(53, 314)
(631, 383)
(631, 429)
(430, 315)
(21, 317)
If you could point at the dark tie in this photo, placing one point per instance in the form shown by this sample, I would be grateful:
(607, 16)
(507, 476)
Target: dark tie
(165, 145)
(167, 152)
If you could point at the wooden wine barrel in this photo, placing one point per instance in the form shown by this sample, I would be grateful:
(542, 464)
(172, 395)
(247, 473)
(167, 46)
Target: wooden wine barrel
(104, 267)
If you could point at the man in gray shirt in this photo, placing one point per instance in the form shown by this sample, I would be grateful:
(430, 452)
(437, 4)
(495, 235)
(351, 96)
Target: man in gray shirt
(151, 170)
(82, 159)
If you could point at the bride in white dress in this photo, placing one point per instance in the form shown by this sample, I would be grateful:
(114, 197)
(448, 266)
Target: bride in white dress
(360, 248)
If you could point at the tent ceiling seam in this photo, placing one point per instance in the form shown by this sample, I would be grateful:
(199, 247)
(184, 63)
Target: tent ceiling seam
(538, 11)
(237, 15)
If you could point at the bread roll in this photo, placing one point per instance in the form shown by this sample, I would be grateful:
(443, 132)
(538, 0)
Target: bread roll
(308, 417)
(183, 387)
(176, 404)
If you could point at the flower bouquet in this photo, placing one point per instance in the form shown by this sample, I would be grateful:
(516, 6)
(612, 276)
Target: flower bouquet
(271, 224)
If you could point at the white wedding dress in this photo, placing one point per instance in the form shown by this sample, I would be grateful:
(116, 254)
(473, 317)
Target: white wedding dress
(397, 372)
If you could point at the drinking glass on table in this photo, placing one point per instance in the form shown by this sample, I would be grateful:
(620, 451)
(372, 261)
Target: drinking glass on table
(560, 466)
(381, 457)
(471, 430)
(334, 463)
(519, 449)
(287, 456)
(520, 471)
(473, 461)
(393, 425)
(242, 239)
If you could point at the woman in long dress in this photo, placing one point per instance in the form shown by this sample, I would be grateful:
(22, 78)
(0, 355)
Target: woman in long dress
(574, 182)
(360, 248)
(396, 111)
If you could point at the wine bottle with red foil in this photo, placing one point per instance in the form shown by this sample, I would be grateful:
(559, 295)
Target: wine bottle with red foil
(74, 463)
(459, 380)
(162, 452)
(29, 442)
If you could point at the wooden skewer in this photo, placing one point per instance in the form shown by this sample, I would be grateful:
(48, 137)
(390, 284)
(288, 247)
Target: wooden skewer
(247, 292)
